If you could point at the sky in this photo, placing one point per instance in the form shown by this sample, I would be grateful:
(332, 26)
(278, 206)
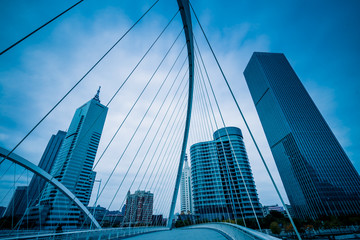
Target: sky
(319, 38)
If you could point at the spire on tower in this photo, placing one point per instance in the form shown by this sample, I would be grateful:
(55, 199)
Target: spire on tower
(97, 95)
(186, 164)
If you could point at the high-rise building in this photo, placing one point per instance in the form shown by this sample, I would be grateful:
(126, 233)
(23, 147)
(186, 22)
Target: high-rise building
(31, 196)
(276, 208)
(220, 189)
(2, 210)
(73, 166)
(98, 212)
(46, 163)
(17, 205)
(139, 208)
(318, 176)
(186, 200)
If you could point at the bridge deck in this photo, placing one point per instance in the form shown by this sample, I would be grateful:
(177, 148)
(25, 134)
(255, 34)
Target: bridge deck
(181, 234)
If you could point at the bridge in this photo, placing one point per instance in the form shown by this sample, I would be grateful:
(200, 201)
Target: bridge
(220, 231)
(153, 156)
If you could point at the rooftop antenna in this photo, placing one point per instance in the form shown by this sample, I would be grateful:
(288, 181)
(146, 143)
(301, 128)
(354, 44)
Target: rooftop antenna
(97, 95)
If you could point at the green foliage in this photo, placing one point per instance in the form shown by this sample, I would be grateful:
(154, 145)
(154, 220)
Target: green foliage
(251, 223)
(182, 223)
(240, 222)
(275, 228)
(324, 222)
(179, 223)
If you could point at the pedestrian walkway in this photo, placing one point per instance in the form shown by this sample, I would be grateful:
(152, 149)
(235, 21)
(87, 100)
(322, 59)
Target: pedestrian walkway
(181, 234)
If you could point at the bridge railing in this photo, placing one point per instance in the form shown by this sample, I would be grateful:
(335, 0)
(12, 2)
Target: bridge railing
(109, 233)
(234, 231)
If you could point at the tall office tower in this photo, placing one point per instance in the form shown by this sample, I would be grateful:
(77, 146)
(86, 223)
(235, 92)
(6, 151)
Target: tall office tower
(73, 166)
(17, 205)
(32, 195)
(139, 208)
(318, 176)
(219, 191)
(186, 189)
(2, 211)
(46, 163)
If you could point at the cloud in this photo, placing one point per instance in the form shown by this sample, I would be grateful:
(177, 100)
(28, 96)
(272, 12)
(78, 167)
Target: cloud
(39, 72)
(50, 68)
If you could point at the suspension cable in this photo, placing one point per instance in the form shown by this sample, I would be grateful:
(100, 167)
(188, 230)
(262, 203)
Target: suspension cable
(166, 140)
(210, 123)
(161, 125)
(138, 98)
(78, 82)
(247, 126)
(133, 135)
(230, 142)
(201, 97)
(149, 107)
(172, 114)
(164, 101)
(48, 22)
(230, 177)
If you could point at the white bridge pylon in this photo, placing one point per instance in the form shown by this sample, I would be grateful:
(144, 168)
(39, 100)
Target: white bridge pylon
(184, 9)
(186, 19)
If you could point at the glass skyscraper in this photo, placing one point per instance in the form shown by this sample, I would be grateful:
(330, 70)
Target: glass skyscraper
(318, 176)
(37, 184)
(219, 191)
(28, 197)
(17, 205)
(46, 163)
(73, 166)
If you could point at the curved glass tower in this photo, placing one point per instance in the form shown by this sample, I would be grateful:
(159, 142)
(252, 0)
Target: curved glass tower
(218, 183)
(318, 176)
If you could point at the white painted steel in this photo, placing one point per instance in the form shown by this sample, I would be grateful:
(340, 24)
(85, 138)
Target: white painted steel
(40, 172)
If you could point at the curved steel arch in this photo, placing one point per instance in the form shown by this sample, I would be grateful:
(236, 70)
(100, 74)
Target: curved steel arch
(40, 172)
(186, 19)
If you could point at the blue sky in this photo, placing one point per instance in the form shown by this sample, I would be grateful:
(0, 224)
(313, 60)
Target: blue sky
(319, 38)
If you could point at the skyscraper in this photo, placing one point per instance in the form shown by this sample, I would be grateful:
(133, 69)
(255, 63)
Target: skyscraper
(2, 211)
(17, 205)
(318, 176)
(219, 191)
(186, 189)
(31, 196)
(139, 208)
(46, 163)
(73, 165)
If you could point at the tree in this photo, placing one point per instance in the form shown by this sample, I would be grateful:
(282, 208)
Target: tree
(275, 228)
(289, 228)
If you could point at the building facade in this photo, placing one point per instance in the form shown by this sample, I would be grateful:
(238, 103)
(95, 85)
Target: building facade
(46, 163)
(2, 211)
(29, 198)
(17, 204)
(186, 200)
(99, 213)
(318, 176)
(223, 185)
(139, 208)
(277, 208)
(73, 166)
